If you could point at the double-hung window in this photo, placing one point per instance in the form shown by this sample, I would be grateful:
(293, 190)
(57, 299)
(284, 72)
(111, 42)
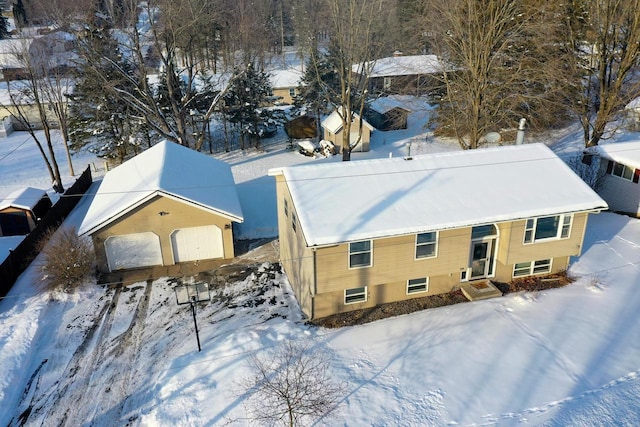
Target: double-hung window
(294, 222)
(529, 268)
(547, 228)
(354, 295)
(286, 207)
(415, 286)
(360, 254)
(426, 245)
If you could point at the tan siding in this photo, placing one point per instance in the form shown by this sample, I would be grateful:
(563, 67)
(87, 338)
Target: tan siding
(284, 94)
(147, 218)
(393, 260)
(520, 252)
(296, 259)
(333, 302)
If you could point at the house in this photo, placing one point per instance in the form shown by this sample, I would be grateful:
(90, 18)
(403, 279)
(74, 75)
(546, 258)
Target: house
(620, 169)
(398, 74)
(332, 130)
(21, 211)
(168, 205)
(387, 113)
(284, 85)
(632, 115)
(357, 234)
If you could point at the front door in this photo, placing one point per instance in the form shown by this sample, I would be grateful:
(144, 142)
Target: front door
(481, 259)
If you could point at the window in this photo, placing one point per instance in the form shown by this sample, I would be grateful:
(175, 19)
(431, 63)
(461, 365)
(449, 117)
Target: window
(426, 245)
(528, 268)
(294, 222)
(622, 171)
(547, 228)
(354, 295)
(292, 92)
(286, 207)
(415, 286)
(360, 254)
(386, 82)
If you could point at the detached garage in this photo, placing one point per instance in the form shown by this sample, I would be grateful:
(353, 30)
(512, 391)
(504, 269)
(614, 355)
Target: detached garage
(166, 206)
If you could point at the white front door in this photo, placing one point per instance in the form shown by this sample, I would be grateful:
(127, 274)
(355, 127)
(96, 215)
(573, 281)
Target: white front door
(134, 250)
(196, 243)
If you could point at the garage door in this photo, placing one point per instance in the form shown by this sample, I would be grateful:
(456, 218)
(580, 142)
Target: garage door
(133, 251)
(194, 243)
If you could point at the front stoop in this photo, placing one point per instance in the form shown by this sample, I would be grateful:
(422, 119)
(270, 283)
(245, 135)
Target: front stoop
(481, 289)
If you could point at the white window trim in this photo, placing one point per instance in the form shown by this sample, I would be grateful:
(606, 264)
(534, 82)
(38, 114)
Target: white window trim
(426, 286)
(624, 167)
(558, 235)
(349, 255)
(415, 250)
(364, 293)
(531, 268)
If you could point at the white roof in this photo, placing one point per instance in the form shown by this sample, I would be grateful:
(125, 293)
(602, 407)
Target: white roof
(284, 78)
(166, 169)
(385, 104)
(627, 153)
(24, 198)
(333, 122)
(403, 66)
(349, 201)
(634, 104)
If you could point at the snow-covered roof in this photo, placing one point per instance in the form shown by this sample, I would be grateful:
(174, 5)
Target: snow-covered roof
(333, 122)
(167, 169)
(385, 104)
(22, 92)
(402, 66)
(349, 201)
(627, 153)
(634, 104)
(10, 49)
(24, 198)
(284, 78)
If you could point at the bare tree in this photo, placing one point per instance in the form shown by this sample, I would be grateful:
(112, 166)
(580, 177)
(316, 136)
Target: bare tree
(30, 101)
(501, 64)
(605, 40)
(292, 387)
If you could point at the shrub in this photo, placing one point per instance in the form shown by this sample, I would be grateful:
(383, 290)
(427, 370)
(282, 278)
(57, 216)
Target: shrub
(68, 259)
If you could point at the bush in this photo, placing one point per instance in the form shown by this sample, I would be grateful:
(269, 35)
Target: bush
(68, 259)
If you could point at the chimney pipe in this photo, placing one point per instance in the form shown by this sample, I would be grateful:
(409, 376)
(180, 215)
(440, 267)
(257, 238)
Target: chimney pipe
(520, 134)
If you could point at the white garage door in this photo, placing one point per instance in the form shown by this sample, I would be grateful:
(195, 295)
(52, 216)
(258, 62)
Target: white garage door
(133, 250)
(194, 243)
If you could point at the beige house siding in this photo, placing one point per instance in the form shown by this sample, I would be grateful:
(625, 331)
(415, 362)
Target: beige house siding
(284, 95)
(296, 258)
(146, 218)
(336, 138)
(31, 114)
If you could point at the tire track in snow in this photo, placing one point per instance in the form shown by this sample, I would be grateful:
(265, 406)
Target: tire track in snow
(56, 402)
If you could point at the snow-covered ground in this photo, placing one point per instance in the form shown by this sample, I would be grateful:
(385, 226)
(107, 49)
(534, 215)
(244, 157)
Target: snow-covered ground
(105, 357)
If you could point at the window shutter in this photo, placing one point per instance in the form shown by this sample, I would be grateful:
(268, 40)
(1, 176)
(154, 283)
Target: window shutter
(636, 176)
(609, 167)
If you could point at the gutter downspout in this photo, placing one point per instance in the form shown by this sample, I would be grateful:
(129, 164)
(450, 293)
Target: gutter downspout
(315, 286)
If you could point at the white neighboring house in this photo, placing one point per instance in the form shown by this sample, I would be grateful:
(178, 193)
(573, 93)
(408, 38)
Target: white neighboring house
(632, 115)
(620, 165)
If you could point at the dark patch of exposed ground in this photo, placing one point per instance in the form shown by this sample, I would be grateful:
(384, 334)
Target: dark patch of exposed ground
(359, 317)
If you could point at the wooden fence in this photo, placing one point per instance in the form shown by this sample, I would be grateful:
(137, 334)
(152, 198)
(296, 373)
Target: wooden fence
(20, 258)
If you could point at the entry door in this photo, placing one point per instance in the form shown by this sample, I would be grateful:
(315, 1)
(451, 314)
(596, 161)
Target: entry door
(481, 259)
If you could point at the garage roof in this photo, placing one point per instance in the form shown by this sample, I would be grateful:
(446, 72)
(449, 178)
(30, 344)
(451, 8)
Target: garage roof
(167, 169)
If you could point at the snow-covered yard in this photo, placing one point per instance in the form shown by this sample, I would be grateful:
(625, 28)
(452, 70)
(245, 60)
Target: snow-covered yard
(103, 357)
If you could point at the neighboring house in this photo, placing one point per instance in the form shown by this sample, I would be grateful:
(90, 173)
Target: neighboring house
(284, 85)
(21, 211)
(17, 96)
(387, 113)
(167, 205)
(409, 75)
(620, 169)
(332, 130)
(357, 234)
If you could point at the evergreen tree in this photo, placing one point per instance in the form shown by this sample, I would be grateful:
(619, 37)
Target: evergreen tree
(317, 87)
(249, 90)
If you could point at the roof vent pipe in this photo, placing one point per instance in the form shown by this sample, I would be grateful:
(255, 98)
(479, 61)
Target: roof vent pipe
(520, 134)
